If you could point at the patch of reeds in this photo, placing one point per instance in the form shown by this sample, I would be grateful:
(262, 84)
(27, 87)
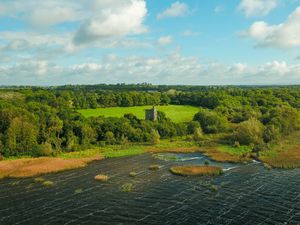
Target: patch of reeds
(33, 167)
(48, 183)
(101, 178)
(127, 187)
(155, 167)
(193, 170)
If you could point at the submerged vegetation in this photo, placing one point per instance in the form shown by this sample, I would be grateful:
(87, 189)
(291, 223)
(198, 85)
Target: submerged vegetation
(127, 187)
(194, 170)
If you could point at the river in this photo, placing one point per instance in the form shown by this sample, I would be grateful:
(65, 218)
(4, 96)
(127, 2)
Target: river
(245, 195)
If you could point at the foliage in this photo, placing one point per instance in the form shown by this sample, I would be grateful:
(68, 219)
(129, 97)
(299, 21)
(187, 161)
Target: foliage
(250, 132)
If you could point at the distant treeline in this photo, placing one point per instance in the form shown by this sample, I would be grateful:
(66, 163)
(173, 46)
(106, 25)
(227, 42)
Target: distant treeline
(43, 121)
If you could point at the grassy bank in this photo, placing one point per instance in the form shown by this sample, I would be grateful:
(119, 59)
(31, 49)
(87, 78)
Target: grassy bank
(285, 154)
(33, 167)
(177, 113)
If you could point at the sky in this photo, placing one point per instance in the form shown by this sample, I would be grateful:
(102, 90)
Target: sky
(186, 42)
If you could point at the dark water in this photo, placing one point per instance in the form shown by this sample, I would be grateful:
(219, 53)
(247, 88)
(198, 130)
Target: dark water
(247, 194)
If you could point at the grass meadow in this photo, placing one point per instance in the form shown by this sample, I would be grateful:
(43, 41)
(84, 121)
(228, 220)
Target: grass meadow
(177, 113)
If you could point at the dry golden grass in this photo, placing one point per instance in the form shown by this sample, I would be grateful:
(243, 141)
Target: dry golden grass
(33, 167)
(101, 178)
(220, 156)
(196, 170)
(287, 159)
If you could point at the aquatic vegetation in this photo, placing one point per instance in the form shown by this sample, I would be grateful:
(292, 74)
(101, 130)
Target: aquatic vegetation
(165, 157)
(15, 183)
(39, 179)
(155, 167)
(32, 167)
(193, 170)
(127, 187)
(133, 174)
(48, 183)
(206, 163)
(219, 155)
(214, 188)
(101, 178)
(78, 191)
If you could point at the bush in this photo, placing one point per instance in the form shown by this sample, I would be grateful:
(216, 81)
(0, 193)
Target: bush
(155, 137)
(249, 132)
(44, 150)
(198, 135)
(192, 126)
(1, 157)
(211, 122)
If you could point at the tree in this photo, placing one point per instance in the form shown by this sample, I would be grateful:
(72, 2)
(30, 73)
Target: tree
(271, 133)
(21, 136)
(192, 126)
(249, 132)
(211, 122)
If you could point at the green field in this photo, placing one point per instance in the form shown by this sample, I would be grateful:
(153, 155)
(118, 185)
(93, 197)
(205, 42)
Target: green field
(177, 113)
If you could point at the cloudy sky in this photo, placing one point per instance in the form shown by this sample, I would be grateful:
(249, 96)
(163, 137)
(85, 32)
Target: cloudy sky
(200, 42)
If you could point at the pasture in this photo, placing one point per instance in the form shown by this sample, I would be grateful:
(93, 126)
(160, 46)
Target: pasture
(177, 113)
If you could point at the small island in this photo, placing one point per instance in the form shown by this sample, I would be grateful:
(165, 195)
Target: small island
(196, 170)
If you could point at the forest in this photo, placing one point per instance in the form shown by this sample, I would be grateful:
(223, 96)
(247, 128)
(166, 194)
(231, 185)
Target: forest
(43, 121)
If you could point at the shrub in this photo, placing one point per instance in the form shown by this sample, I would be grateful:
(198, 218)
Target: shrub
(249, 132)
(1, 157)
(44, 150)
(211, 122)
(155, 138)
(198, 135)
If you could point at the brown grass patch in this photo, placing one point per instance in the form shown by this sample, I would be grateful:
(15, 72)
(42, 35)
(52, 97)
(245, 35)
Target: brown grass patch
(33, 167)
(287, 159)
(196, 170)
(101, 178)
(220, 156)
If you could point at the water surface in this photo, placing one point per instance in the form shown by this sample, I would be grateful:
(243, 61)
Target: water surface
(247, 194)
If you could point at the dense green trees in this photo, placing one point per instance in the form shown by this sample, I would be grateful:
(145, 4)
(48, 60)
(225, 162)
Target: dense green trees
(37, 121)
(211, 122)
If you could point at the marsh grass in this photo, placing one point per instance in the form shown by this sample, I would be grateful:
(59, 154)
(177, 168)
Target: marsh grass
(33, 167)
(101, 178)
(133, 174)
(193, 170)
(127, 187)
(155, 167)
(78, 191)
(48, 183)
(284, 154)
(39, 179)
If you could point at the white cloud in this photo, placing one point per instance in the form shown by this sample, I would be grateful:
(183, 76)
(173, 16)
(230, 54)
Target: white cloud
(175, 10)
(165, 40)
(171, 69)
(257, 7)
(284, 35)
(43, 13)
(113, 21)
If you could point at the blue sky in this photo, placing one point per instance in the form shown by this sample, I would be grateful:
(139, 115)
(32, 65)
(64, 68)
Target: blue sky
(54, 42)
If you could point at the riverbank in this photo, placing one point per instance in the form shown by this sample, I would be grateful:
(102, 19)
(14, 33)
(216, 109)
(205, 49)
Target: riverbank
(284, 155)
(21, 168)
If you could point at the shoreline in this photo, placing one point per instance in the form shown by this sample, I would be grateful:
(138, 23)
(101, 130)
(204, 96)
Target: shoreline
(30, 167)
